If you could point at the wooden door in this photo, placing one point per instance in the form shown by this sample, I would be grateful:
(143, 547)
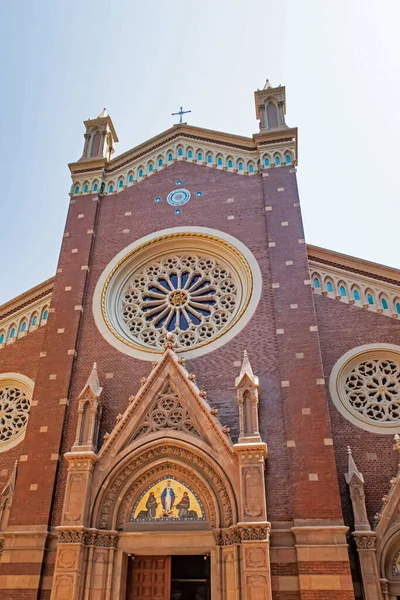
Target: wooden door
(149, 578)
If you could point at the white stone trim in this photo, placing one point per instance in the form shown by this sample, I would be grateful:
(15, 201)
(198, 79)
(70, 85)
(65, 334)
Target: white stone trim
(251, 159)
(26, 385)
(199, 351)
(336, 385)
(362, 283)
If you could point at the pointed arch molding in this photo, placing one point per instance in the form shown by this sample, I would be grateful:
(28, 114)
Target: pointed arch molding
(129, 477)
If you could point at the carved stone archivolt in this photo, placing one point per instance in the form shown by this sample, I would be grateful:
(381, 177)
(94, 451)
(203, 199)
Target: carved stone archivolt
(167, 468)
(113, 491)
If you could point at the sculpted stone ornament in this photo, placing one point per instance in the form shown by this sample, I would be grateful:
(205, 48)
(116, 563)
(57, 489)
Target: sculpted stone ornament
(240, 533)
(365, 542)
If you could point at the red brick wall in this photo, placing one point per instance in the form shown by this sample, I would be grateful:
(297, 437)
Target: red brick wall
(20, 357)
(215, 371)
(313, 478)
(54, 373)
(341, 328)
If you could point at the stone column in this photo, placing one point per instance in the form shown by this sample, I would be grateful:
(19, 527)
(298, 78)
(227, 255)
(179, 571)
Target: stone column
(365, 538)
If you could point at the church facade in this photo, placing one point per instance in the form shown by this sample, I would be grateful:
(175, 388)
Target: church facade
(199, 405)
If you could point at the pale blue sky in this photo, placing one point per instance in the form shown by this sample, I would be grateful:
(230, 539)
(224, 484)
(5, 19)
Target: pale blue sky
(62, 61)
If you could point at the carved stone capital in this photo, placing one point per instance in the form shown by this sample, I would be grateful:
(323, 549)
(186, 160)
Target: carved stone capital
(102, 539)
(81, 461)
(243, 532)
(365, 542)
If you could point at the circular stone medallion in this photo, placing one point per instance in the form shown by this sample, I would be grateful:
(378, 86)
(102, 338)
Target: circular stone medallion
(178, 197)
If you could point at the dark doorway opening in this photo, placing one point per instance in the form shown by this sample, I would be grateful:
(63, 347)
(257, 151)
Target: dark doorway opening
(190, 577)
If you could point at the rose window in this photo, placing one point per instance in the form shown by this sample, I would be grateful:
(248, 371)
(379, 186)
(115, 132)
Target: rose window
(191, 296)
(373, 390)
(14, 412)
(188, 283)
(365, 387)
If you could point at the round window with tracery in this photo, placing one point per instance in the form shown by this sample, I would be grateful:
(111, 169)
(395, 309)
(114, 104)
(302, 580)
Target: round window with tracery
(189, 284)
(367, 388)
(15, 404)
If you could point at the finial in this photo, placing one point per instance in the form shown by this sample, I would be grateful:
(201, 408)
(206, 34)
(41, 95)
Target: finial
(267, 85)
(246, 370)
(352, 470)
(95, 365)
(103, 114)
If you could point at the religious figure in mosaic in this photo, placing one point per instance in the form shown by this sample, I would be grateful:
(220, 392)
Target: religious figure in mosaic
(168, 498)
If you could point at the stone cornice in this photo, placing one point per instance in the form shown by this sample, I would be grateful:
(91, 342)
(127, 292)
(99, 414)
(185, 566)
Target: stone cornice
(27, 298)
(353, 264)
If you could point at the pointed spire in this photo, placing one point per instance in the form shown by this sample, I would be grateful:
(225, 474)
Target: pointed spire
(103, 114)
(352, 470)
(92, 384)
(246, 370)
(10, 485)
(267, 85)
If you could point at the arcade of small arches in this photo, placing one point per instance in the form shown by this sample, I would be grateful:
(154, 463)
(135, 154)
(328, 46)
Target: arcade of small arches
(234, 163)
(360, 293)
(25, 323)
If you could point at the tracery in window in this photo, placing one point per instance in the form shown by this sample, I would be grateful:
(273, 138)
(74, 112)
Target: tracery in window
(192, 296)
(365, 387)
(15, 404)
(193, 285)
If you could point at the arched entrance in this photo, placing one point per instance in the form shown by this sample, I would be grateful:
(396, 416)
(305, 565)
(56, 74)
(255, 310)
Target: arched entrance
(141, 514)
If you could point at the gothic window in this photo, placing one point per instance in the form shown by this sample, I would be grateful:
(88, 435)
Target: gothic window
(34, 321)
(150, 168)
(356, 294)
(219, 161)
(384, 303)
(288, 159)
(199, 156)
(398, 308)
(230, 163)
(15, 402)
(110, 188)
(170, 157)
(121, 183)
(1, 338)
(86, 188)
(130, 178)
(240, 166)
(316, 283)
(45, 315)
(190, 285)
(76, 190)
(95, 186)
(370, 299)
(329, 286)
(23, 326)
(140, 172)
(266, 162)
(180, 152)
(209, 158)
(365, 386)
(190, 153)
(342, 290)
(277, 160)
(11, 332)
(160, 162)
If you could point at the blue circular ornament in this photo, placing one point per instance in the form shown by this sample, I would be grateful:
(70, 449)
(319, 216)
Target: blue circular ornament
(178, 197)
